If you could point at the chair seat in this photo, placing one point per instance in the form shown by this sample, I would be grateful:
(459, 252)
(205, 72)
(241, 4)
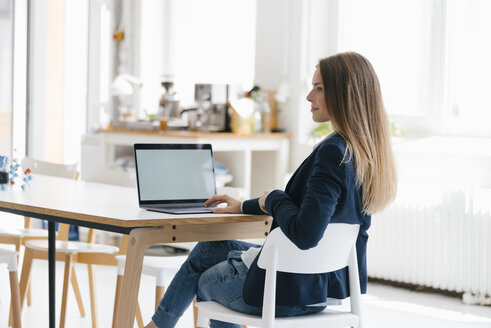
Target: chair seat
(159, 262)
(321, 319)
(33, 232)
(10, 232)
(9, 257)
(161, 267)
(25, 232)
(72, 247)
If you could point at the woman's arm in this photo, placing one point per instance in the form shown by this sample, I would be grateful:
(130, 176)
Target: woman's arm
(234, 205)
(305, 225)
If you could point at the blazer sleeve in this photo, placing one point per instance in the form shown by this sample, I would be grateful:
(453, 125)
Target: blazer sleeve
(251, 206)
(304, 225)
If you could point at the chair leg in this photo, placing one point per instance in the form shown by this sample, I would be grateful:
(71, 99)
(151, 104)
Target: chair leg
(66, 281)
(25, 276)
(119, 282)
(93, 299)
(195, 313)
(76, 291)
(18, 244)
(159, 293)
(29, 294)
(15, 298)
(138, 316)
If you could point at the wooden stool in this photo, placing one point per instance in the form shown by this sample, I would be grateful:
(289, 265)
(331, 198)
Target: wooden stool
(71, 252)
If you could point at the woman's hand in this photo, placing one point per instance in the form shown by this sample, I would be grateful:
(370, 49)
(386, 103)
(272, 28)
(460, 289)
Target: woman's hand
(262, 201)
(233, 204)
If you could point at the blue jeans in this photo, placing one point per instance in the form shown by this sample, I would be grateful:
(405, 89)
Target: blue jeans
(214, 271)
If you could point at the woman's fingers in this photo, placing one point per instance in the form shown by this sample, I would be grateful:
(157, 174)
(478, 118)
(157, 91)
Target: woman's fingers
(215, 200)
(233, 205)
(221, 210)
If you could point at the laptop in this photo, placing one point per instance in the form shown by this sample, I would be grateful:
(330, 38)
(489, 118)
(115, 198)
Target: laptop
(175, 178)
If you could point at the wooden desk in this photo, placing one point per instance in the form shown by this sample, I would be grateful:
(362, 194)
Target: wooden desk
(115, 208)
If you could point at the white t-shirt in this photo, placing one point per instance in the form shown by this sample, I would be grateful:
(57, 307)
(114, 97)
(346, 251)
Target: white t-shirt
(249, 255)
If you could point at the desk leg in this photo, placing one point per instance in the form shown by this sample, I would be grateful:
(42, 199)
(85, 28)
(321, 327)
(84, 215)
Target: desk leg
(137, 245)
(141, 238)
(52, 272)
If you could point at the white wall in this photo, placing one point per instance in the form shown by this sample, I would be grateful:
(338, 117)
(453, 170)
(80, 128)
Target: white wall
(291, 37)
(6, 27)
(36, 96)
(19, 100)
(75, 78)
(57, 95)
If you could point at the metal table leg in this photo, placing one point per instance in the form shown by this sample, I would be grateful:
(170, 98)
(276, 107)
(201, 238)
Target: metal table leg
(52, 271)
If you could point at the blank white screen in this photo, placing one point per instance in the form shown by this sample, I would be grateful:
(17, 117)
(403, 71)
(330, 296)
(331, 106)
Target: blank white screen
(175, 174)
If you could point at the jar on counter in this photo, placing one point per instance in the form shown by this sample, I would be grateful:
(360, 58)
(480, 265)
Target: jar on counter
(265, 112)
(262, 113)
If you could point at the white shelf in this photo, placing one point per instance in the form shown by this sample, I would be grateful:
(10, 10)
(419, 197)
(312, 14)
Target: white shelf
(257, 163)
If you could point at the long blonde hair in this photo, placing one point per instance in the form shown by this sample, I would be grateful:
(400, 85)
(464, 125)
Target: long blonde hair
(356, 110)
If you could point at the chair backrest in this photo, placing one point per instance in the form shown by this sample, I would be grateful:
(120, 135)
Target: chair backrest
(57, 170)
(332, 252)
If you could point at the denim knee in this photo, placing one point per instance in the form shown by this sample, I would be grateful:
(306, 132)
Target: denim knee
(205, 255)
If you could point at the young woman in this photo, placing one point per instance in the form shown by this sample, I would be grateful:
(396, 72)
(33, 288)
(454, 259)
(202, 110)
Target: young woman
(348, 176)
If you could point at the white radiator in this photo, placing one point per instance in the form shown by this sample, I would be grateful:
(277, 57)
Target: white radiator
(444, 243)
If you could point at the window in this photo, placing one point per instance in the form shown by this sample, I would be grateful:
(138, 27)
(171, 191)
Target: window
(432, 59)
(396, 37)
(6, 51)
(468, 105)
(57, 79)
(100, 63)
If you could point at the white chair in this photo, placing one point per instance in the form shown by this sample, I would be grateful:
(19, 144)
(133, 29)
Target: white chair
(336, 250)
(10, 258)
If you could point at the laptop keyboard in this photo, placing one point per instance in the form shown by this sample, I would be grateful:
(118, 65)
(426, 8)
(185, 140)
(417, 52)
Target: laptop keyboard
(172, 207)
(182, 208)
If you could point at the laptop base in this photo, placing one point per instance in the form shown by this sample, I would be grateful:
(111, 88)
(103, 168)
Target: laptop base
(184, 210)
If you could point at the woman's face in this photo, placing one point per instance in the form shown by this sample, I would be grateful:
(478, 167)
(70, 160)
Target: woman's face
(317, 99)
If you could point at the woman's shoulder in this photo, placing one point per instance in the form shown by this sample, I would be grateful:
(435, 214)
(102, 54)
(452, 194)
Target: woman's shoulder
(334, 140)
(333, 148)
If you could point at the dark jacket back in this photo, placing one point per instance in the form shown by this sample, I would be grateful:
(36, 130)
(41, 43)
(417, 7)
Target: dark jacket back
(322, 190)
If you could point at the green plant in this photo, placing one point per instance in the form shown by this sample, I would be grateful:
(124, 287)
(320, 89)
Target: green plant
(321, 130)
(325, 128)
(396, 129)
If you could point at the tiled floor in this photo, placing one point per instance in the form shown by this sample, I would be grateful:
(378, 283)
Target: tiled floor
(384, 306)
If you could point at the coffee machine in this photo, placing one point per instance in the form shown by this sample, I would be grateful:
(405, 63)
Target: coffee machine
(211, 107)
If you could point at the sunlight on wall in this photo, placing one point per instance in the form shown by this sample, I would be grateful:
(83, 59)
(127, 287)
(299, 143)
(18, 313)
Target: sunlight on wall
(469, 39)
(396, 41)
(5, 76)
(205, 42)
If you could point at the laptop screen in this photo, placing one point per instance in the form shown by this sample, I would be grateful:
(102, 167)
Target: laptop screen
(174, 173)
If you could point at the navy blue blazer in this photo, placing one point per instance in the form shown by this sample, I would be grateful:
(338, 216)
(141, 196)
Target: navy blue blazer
(322, 190)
